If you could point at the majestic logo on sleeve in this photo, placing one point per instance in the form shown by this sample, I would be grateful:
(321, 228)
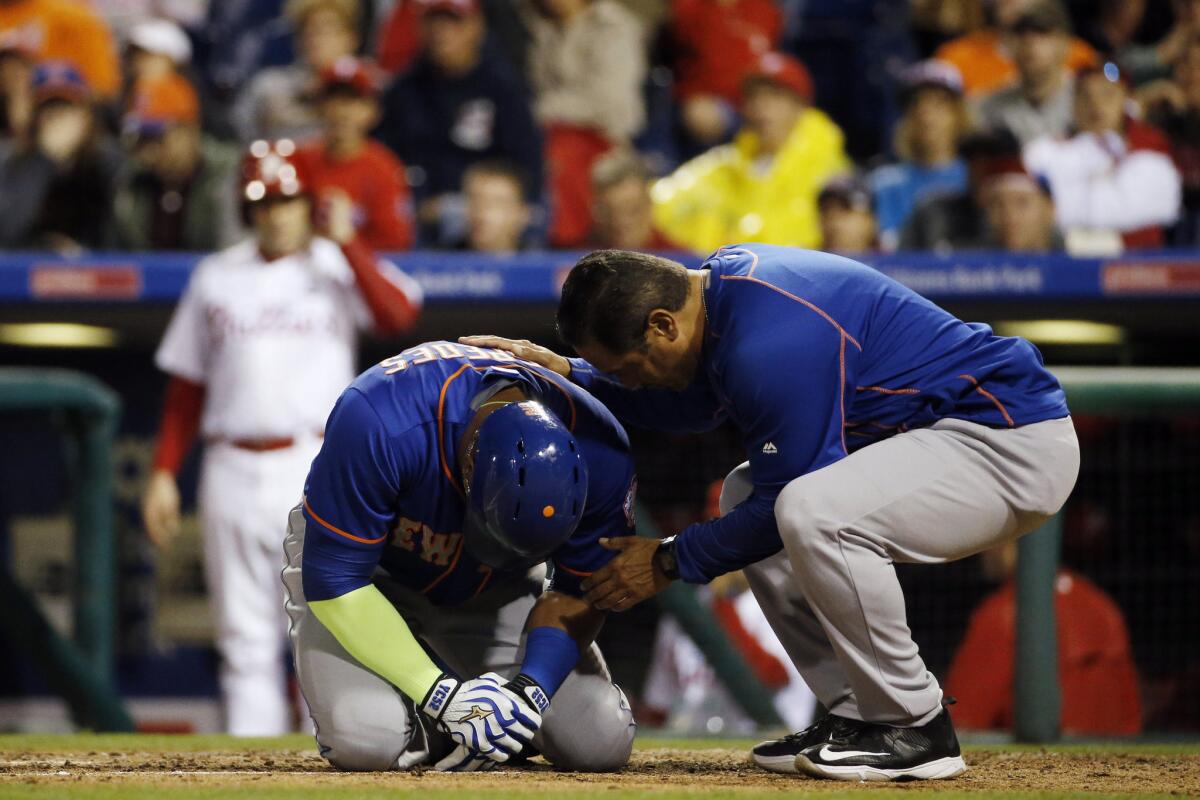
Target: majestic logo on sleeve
(770, 449)
(630, 504)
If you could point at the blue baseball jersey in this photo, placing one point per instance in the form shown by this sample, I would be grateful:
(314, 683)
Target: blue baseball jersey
(385, 489)
(814, 356)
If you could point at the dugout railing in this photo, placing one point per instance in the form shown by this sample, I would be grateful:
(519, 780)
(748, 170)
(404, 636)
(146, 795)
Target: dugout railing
(81, 670)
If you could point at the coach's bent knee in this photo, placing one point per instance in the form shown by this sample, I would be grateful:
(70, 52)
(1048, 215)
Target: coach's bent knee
(803, 513)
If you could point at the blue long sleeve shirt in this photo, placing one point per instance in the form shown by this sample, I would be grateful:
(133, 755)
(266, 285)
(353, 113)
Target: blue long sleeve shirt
(814, 356)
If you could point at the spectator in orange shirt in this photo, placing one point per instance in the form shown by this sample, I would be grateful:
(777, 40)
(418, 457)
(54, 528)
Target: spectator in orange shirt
(346, 162)
(984, 58)
(1096, 674)
(622, 214)
(67, 31)
(177, 190)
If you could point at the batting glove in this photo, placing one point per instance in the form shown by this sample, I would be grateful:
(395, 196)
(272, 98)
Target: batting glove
(483, 717)
(531, 692)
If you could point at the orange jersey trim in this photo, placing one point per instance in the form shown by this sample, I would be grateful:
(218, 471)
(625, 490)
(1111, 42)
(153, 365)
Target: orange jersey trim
(811, 306)
(339, 531)
(883, 390)
(574, 572)
(487, 576)
(992, 397)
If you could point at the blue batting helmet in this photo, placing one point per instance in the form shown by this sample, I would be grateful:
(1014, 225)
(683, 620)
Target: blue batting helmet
(527, 492)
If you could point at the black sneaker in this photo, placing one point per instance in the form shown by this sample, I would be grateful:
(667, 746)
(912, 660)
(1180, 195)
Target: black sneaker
(779, 755)
(864, 751)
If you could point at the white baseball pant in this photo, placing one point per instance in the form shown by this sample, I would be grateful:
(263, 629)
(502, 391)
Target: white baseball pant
(364, 723)
(244, 498)
(925, 496)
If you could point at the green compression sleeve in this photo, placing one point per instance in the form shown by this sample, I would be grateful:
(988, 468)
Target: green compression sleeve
(372, 631)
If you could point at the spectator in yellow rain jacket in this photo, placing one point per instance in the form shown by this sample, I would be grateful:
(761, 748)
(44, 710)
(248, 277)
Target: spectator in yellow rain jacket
(762, 186)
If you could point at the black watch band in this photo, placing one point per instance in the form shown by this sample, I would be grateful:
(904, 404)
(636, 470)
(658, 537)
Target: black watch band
(664, 556)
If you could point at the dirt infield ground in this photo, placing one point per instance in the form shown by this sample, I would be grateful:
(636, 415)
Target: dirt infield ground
(133, 767)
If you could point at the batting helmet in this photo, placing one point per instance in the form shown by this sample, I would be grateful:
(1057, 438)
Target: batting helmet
(527, 492)
(270, 169)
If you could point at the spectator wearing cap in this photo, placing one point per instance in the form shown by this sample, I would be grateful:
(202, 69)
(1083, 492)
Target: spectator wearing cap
(984, 57)
(277, 102)
(622, 214)
(1019, 210)
(17, 58)
(949, 221)
(178, 187)
(848, 222)
(587, 66)
(156, 47)
(56, 188)
(715, 44)
(62, 30)
(458, 105)
(497, 211)
(763, 185)
(1174, 106)
(347, 165)
(1040, 103)
(926, 141)
(1114, 183)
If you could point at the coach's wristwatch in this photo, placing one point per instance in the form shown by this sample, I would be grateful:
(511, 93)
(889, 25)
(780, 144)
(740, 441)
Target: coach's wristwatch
(664, 558)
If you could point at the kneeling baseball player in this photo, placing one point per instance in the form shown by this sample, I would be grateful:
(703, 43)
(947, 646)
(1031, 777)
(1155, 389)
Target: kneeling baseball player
(449, 476)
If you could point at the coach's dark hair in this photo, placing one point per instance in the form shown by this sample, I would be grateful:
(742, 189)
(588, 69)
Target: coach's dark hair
(609, 294)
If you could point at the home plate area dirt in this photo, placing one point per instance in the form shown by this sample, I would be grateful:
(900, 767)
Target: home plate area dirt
(701, 771)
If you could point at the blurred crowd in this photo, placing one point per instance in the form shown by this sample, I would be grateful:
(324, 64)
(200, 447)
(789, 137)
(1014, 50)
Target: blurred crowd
(502, 125)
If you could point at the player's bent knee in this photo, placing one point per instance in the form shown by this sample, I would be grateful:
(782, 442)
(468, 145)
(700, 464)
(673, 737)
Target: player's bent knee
(360, 754)
(603, 744)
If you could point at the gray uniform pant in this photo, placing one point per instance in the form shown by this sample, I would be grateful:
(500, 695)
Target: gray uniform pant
(364, 723)
(926, 496)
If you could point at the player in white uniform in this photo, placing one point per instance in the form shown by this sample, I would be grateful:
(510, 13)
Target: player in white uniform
(260, 346)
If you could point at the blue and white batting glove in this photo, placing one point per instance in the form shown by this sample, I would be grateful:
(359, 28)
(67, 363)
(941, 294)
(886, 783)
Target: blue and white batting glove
(531, 692)
(483, 717)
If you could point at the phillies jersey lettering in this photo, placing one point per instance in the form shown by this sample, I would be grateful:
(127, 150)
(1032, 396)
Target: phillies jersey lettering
(273, 342)
(813, 356)
(385, 491)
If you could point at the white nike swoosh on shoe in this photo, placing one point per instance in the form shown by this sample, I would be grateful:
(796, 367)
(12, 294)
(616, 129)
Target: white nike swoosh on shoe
(840, 755)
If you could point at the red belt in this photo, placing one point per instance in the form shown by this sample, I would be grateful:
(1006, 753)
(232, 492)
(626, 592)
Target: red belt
(263, 445)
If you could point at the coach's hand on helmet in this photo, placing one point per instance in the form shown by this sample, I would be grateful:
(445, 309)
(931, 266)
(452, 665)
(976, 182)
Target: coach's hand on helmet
(484, 717)
(524, 349)
(160, 508)
(633, 576)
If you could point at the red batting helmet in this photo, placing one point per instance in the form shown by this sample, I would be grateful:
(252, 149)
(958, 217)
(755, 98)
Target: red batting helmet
(270, 169)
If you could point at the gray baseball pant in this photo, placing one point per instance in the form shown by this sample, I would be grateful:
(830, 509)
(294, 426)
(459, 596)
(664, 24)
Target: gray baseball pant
(925, 496)
(364, 723)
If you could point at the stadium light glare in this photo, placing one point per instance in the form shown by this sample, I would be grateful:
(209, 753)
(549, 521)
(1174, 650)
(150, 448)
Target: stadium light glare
(56, 334)
(1063, 331)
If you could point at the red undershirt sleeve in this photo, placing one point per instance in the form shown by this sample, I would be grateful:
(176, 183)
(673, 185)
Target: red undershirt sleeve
(180, 422)
(394, 306)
